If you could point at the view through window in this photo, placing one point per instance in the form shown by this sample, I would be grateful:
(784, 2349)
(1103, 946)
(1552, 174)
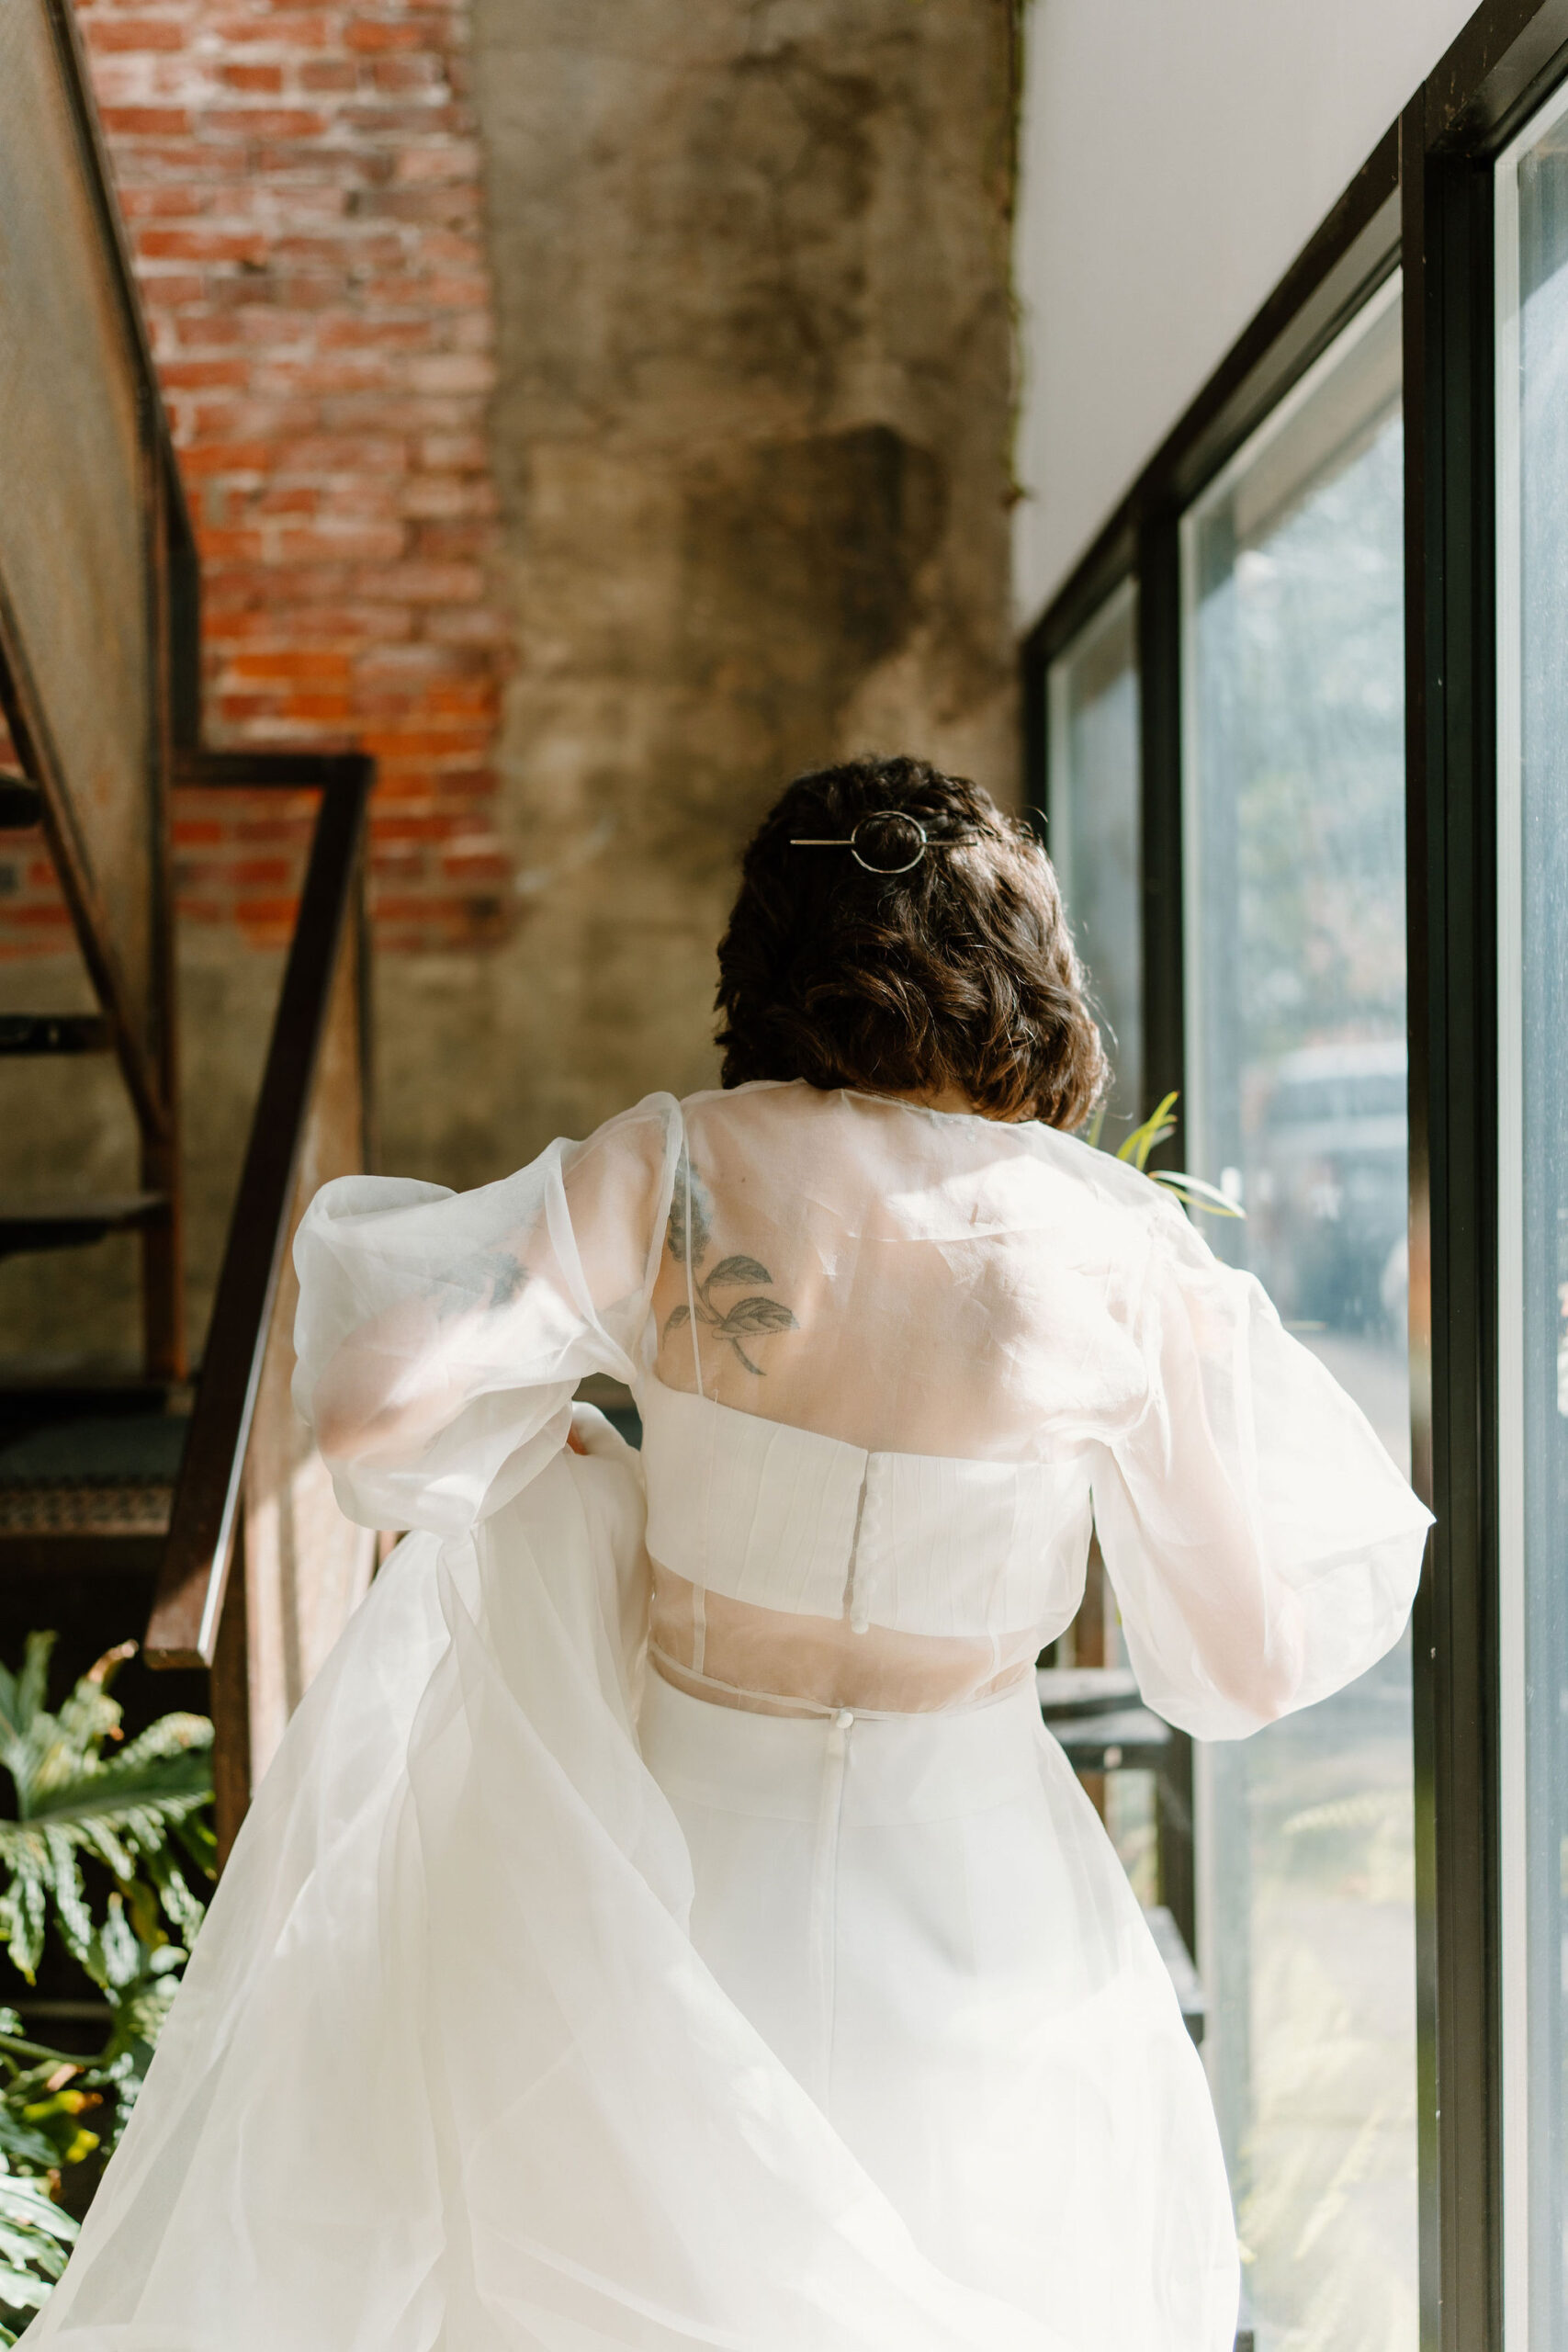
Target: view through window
(1532, 530)
(1093, 832)
(1294, 940)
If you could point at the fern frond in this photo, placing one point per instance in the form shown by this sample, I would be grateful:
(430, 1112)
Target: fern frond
(170, 1736)
(36, 2237)
(24, 1909)
(32, 1686)
(64, 1883)
(114, 1793)
(142, 1814)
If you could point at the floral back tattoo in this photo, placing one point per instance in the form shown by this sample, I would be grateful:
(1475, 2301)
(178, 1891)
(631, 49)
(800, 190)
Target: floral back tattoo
(748, 1318)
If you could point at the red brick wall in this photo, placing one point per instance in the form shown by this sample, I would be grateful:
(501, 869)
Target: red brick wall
(300, 179)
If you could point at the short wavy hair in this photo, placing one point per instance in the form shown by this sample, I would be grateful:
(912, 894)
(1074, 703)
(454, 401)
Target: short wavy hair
(959, 972)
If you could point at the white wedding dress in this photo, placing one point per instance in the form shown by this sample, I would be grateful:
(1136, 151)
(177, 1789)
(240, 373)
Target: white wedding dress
(623, 1958)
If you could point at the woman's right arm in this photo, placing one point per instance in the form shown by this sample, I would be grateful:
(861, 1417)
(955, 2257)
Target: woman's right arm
(440, 1335)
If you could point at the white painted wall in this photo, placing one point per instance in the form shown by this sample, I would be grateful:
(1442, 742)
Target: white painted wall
(1176, 156)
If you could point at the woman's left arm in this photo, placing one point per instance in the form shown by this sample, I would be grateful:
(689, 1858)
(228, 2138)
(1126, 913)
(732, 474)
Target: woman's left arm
(1264, 1548)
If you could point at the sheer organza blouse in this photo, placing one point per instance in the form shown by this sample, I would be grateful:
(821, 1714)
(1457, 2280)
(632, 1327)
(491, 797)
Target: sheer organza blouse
(892, 1363)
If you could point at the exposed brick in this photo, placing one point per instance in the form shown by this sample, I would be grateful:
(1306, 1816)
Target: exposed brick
(393, 29)
(198, 244)
(303, 185)
(149, 122)
(267, 79)
(328, 74)
(118, 35)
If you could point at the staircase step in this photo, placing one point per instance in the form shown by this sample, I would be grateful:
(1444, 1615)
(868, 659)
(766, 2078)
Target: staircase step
(69, 1224)
(1131, 1738)
(1067, 1691)
(81, 1469)
(91, 1447)
(42, 1508)
(54, 1033)
(21, 803)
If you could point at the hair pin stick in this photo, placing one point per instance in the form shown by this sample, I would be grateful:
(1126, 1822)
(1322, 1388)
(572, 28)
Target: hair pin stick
(889, 818)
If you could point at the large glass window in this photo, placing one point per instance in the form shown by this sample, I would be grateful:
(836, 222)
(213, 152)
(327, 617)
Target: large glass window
(1532, 530)
(1293, 795)
(1092, 829)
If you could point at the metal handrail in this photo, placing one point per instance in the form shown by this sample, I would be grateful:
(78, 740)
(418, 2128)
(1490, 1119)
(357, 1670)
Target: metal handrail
(188, 1609)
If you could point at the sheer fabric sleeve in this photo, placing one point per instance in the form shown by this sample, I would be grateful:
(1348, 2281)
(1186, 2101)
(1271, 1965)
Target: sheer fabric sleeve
(1264, 1548)
(440, 1335)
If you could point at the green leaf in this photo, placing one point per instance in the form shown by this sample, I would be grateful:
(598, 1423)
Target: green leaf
(32, 1690)
(112, 1794)
(676, 1318)
(10, 1708)
(24, 2287)
(1154, 1130)
(86, 1805)
(70, 1897)
(171, 1736)
(1207, 1197)
(23, 1911)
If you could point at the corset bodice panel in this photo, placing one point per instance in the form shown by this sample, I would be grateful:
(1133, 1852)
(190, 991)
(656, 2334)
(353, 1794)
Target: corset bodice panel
(944, 1574)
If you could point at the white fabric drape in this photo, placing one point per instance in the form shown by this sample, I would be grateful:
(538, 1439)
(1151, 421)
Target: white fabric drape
(446, 2070)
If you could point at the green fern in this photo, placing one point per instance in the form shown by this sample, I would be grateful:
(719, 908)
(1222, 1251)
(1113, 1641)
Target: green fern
(137, 1812)
(141, 1814)
(36, 2236)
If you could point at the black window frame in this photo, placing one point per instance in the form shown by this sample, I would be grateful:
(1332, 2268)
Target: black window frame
(1421, 203)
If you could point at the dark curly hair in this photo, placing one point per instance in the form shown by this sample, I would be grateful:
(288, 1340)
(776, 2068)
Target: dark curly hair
(959, 972)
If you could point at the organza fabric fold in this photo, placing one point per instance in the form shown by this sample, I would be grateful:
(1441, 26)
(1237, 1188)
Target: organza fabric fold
(446, 2070)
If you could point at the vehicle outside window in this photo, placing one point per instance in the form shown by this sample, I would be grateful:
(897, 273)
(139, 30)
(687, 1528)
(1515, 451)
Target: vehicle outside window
(1326, 1187)
(1093, 832)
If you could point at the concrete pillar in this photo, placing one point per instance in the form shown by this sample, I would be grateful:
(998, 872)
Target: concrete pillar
(750, 435)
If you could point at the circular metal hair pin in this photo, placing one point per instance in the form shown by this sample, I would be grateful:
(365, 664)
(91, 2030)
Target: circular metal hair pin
(879, 841)
(885, 836)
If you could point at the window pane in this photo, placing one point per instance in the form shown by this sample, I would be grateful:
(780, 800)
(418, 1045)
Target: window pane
(1294, 927)
(1093, 830)
(1532, 515)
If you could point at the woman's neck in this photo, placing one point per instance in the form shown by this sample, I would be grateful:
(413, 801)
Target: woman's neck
(945, 1098)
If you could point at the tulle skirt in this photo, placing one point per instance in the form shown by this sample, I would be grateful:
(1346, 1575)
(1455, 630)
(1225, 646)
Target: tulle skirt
(923, 1917)
(840, 2036)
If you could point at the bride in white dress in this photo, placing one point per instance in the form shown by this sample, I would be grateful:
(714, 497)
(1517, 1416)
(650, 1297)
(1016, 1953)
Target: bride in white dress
(668, 1922)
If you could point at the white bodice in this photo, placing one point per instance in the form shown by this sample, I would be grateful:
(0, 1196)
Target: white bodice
(783, 1518)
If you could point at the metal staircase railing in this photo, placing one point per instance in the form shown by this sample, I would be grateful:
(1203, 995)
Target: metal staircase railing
(112, 1501)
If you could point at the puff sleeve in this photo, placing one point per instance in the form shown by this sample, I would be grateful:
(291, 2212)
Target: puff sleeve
(1264, 1548)
(440, 1335)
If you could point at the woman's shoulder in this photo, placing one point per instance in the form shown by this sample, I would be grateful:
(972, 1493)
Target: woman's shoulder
(1121, 1187)
(877, 1132)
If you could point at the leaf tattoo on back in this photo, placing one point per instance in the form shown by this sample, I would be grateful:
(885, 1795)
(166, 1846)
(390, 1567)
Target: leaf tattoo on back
(751, 1317)
(688, 1214)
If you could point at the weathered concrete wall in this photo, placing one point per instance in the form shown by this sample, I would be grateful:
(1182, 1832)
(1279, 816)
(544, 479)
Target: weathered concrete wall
(749, 267)
(752, 439)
